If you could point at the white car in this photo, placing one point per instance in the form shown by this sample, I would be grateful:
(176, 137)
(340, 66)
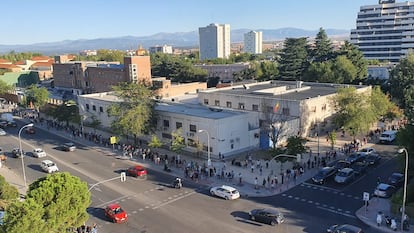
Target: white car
(39, 153)
(368, 151)
(226, 192)
(49, 166)
(69, 146)
(2, 132)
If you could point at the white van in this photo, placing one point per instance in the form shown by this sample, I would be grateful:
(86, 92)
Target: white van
(388, 136)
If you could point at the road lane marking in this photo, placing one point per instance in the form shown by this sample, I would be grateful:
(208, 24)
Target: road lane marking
(337, 212)
(173, 200)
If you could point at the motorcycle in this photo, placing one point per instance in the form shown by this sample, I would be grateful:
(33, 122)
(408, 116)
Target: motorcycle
(177, 183)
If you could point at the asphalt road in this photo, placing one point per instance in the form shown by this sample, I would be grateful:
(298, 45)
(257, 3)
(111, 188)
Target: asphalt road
(154, 207)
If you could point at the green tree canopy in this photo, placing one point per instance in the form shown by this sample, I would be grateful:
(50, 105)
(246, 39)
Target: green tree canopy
(354, 111)
(155, 142)
(37, 96)
(402, 82)
(356, 57)
(14, 57)
(294, 58)
(53, 203)
(323, 47)
(4, 87)
(134, 115)
(343, 70)
(295, 145)
(178, 141)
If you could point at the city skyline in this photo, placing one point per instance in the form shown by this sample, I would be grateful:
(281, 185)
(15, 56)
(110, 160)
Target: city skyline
(28, 22)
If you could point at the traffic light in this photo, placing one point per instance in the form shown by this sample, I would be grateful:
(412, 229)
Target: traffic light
(123, 176)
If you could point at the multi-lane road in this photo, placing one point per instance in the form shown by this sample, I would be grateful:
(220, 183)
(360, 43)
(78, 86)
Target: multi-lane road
(154, 207)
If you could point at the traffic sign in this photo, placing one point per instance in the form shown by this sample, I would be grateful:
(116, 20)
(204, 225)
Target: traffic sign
(123, 176)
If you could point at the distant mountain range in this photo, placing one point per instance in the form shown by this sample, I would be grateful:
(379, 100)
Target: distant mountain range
(177, 39)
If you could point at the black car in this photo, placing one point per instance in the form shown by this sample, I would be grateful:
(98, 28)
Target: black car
(396, 179)
(323, 174)
(356, 157)
(372, 159)
(269, 216)
(339, 164)
(359, 167)
(345, 228)
(16, 152)
(12, 124)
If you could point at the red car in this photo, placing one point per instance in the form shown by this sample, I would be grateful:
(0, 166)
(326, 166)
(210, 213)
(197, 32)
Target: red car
(137, 171)
(116, 213)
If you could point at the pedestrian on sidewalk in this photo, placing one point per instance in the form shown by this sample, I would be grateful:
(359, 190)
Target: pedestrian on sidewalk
(240, 178)
(379, 218)
(264, 183)
(256, 183)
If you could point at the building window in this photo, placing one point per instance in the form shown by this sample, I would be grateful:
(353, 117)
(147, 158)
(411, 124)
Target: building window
(178, 125)
(285, 111)
(101, 109)
(193, 128)
(324, 107)
(241, 105)
(87, 107)
(94, 107)
(269, 109)
(206, 101)
(228, 104)
(166, 123)
(255, 107)
(313, 109)
(217, 102)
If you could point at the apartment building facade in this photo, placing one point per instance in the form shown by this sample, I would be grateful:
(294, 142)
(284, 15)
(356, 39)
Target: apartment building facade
(167, 49)
(385, 31)
(253, 42)
(225, 72)
(92, 77)
(214, 41)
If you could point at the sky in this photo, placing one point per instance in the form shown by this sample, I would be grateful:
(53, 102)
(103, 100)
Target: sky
(28, 21)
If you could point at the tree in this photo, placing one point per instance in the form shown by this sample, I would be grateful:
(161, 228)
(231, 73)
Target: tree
(356, 57)
(354, 111)
(67, 112)
(320, 72)
(382, 105)
(178, 141)
(134, 113)
(155, 142)
(268, 71)
(402, 82)
(53, 204)
(332, 139)
(323, 47)
(37, 97)
(294, 58)
(343, 70)
(4, 87)
(295, 145)
(24, 216)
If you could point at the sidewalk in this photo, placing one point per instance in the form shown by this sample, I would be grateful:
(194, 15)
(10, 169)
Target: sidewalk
(13, 179)
(369, 215)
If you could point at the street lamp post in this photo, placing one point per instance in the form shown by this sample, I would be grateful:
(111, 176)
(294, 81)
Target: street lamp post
(405, 186)
(208, 146)
(21, 152)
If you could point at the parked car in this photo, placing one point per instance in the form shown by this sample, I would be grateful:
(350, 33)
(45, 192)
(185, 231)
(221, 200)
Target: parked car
(16, 152)
(226, 192)
(38, 153)
(372, 159)
(49, 166)
(12, 124)
(396, 179)
(345, 175)
(69, 146)
(116, 213)
(360, 167)
(367, 151)
(323, 174)
(30, 130)
(384, 190)
(269, 216)
(355, 157)
(137, 171)
(2, 132)
(339, 164)
(344, 228)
